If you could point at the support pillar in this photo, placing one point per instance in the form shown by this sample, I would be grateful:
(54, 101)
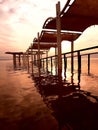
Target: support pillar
(14, 60)
(19, 59)
(58, 23)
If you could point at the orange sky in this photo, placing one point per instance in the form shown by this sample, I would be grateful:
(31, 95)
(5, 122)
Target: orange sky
(20, 20)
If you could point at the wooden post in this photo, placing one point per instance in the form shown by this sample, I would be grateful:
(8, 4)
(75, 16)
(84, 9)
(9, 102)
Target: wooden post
(72, 61)
(58, 23)
(14, 60)
(19, 60)
(39, 73)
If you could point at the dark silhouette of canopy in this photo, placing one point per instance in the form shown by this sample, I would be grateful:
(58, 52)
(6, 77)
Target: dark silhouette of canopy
(76, 16)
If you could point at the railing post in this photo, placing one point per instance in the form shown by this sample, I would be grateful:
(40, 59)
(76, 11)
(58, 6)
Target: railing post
(32, 59)
(28, 61)
(79, 67)
(72, 62)
(39, 56)
(88, 64)
(43, 65)
(65, 66)
(51, 65)
(47, 62)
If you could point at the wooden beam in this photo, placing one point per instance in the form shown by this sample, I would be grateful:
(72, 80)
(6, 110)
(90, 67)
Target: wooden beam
(58, 23)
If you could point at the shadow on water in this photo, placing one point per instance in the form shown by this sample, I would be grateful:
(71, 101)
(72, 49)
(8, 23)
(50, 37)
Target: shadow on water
(73, 109)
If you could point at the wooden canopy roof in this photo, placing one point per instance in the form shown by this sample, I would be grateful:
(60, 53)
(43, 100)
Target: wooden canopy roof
(48, 39)
(50, 36)
(17, 53)
(44, 46)
(76, 16)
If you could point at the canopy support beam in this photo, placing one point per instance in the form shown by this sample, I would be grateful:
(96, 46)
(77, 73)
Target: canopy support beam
(58, 23)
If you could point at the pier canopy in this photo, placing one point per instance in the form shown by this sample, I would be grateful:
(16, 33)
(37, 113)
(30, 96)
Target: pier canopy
(48, 39)
(77, 15)
(50, 36)
(17, 53)
(44, 46)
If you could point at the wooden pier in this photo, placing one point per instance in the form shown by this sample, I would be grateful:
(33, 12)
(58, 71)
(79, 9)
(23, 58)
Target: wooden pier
(52, 34)
(16, 56)
(50, 72)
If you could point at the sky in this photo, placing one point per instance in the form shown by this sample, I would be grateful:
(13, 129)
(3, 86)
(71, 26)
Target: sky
(21, 20)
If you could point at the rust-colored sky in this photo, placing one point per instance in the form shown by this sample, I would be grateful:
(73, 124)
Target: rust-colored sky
(20, 20)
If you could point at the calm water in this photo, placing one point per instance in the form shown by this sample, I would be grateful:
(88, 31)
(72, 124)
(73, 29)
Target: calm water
(23, 107)
(87, 82)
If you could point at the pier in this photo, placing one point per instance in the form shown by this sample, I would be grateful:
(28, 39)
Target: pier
(52, 34)
(16, 56)
(50, 72)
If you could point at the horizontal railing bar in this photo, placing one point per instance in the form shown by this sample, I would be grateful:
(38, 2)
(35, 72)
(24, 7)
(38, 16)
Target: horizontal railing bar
(95, 47)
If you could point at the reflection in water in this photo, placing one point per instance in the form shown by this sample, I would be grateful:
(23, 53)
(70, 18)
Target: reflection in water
(21, 106)
(74, 110)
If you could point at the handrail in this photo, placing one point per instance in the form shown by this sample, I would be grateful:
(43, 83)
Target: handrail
(85, 49)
